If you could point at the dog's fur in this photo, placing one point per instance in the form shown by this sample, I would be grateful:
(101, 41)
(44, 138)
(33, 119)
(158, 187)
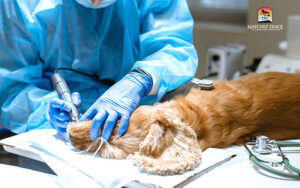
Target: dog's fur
(167, 138)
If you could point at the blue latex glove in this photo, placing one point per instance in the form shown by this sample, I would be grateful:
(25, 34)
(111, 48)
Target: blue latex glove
(59, 113)
(118, 101)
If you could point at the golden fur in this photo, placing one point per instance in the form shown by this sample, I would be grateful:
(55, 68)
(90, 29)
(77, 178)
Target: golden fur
(167, 138)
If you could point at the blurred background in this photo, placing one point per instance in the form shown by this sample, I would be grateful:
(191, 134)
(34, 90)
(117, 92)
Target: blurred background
(219, 22)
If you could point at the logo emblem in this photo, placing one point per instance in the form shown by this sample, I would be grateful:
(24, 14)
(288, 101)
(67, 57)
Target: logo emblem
(264, 15)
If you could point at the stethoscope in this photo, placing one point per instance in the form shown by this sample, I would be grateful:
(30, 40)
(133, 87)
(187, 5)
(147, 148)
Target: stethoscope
(262, 145)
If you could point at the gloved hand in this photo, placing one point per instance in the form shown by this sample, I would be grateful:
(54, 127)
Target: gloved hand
(59, 113)
(118, 101)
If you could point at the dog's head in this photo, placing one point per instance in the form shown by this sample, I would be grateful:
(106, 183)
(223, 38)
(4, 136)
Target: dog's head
(156, 141)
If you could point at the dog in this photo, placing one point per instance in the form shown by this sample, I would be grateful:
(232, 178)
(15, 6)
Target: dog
(168, 137)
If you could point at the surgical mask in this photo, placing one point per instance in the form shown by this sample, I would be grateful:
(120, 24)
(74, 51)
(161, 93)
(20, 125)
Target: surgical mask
(88, 3)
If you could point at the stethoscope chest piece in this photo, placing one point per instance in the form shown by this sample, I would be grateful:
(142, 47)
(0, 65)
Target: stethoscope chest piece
(261, 145)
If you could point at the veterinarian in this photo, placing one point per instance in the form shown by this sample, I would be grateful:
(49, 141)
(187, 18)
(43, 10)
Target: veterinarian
(119, 53)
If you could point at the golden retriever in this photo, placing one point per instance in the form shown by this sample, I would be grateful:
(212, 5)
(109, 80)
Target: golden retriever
(168, 138)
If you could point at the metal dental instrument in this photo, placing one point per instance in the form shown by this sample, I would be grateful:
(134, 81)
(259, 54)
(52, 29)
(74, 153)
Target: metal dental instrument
(202, 172)
(64, 93)
(264, 146)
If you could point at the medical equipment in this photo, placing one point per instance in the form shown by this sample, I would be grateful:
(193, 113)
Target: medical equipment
(225, 61)
(203, 84)
(64, 93)
(185, 88)
(202, 172)
(278, 63)
(263, 145)
(293, 38)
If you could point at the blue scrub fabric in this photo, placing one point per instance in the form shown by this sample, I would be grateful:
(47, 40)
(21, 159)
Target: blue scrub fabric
(38, 36)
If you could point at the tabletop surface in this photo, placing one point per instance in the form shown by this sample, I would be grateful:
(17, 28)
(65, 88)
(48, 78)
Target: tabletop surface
(238, 172)
(12, 176)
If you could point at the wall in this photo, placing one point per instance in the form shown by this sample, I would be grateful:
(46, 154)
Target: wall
(261, 43)
(212, 32)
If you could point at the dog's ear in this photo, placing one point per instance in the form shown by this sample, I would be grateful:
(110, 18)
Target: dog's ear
(157, 139)
(170, 147)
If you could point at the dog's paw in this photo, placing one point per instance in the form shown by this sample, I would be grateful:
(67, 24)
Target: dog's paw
(79, 134)
(80, 130)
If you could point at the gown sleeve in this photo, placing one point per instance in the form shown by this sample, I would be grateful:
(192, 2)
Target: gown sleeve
(23, 97)
(166, 49)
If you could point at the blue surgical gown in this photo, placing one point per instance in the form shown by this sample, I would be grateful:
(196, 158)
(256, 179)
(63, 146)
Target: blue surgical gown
(38, 36)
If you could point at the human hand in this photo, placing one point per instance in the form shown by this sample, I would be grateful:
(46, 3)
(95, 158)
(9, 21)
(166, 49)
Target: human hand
(59, 113)
(119, 101)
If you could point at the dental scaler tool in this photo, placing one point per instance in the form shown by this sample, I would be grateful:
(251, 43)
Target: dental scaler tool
(64, 93)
